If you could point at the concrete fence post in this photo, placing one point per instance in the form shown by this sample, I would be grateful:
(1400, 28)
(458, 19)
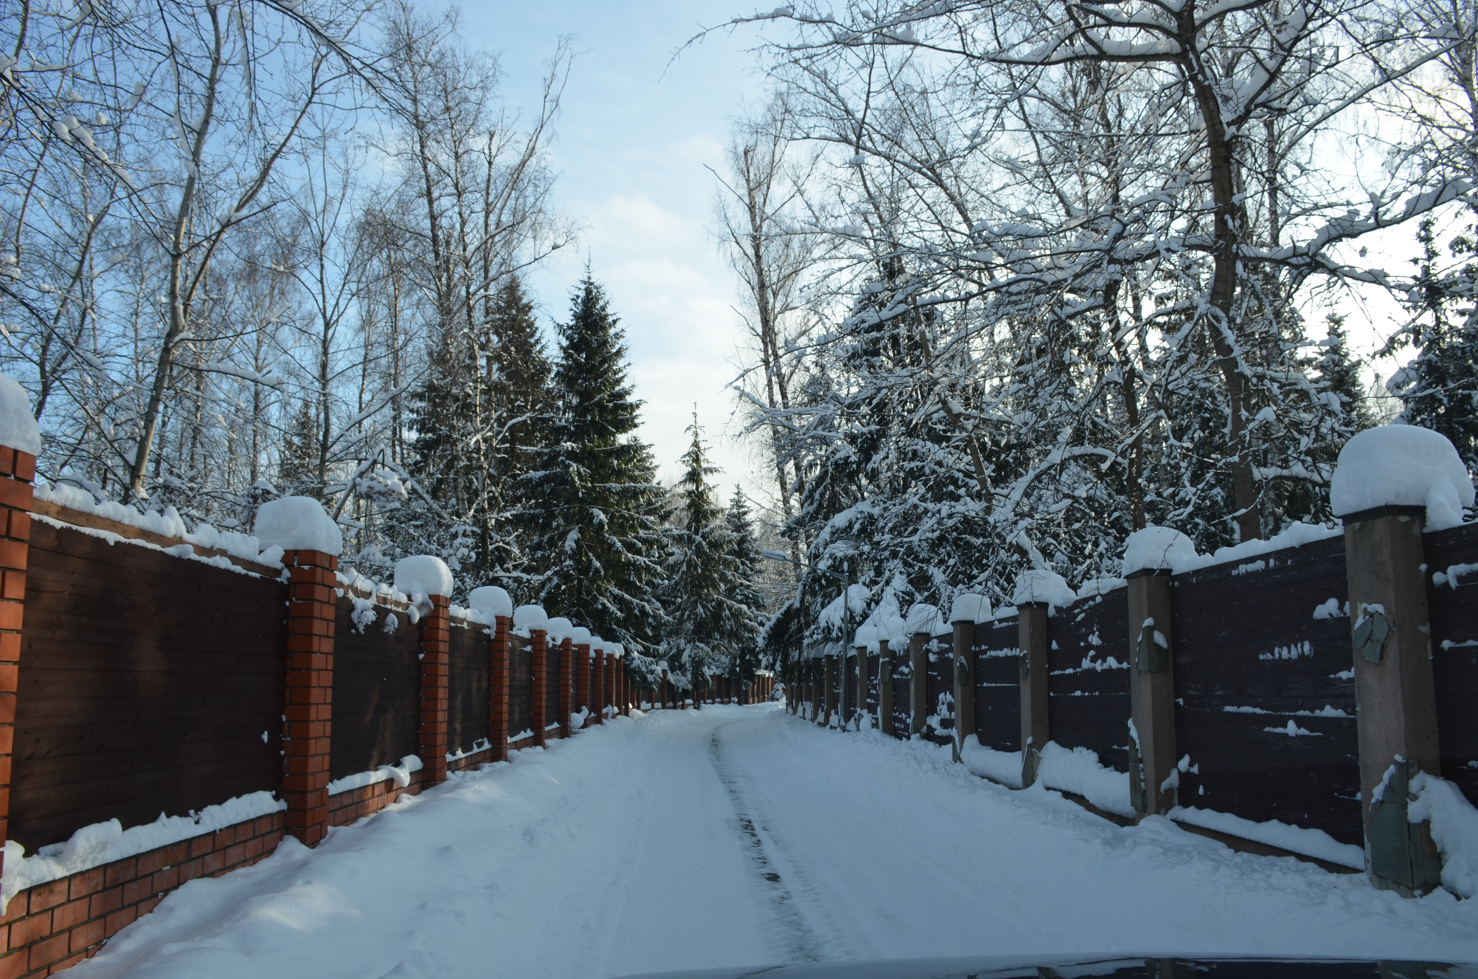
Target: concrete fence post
(17, 470)
(918, 683)
(1032, 639)
(1152, 758)
(311, 544)
(1395, 695)
(962, 627)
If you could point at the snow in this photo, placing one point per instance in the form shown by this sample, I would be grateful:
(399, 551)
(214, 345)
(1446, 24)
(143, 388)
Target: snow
(615, 649)
(1042, 586)
(1402, 465)
(999, 766)
(1295, 839)
(926, 619)
(400, 773)
(1454, 824)
(1099, 587)
(490, 601)
(100, 843)
(18, 428)
(527, 617)
(422, 574)
(557, 628)
(867, 636)
(1078, 770)
(580, 636)
(970, 607)
(736, 836)
(298, 523)
(1158, 549)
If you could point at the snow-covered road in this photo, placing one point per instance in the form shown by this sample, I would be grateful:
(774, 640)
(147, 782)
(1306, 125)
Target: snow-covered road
(740, 835)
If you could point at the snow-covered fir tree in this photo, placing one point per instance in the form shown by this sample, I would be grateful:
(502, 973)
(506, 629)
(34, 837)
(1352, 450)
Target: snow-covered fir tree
(592, 510)
(744, 573)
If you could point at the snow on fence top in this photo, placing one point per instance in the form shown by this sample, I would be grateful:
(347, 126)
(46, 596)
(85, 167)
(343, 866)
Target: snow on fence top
(925, 618)
(615, 649)
(1042, 586)
(298, 523)
(18, 428)
(580, 636)
(528, 617)
(422, 574)
(1402, 465)
(1158, 549)
(867, 635)
(970, 607)
(557, 627)
(490, 601)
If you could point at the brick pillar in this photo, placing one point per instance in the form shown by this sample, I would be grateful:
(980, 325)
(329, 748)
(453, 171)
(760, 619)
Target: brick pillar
(17, 469)
(498, 690)
(435, 653)
(1032, 640)
(308, 700)
(598, 686)
(1152, 755)
(582, 677)
(566, 685)
(1395, 692)
(539, 701)
(918, 683)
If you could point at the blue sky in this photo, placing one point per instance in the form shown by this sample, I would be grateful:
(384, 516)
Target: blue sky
(633, 140)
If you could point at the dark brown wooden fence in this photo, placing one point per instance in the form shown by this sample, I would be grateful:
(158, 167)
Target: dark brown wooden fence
(470, 665)
(997, 685)
(1088, 678)
(520, 686)
(1452, 597)
(146, 684)
(377, 690)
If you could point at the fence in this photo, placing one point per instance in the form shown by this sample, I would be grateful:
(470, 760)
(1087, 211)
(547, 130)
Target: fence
(142, 674)
(1246, 722)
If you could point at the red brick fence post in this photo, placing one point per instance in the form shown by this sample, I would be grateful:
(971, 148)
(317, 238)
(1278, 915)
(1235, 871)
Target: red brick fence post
(17, 469)
(495, 608)
(428, 582)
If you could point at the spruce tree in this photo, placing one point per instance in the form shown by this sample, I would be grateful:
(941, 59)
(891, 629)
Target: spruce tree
(743, 571)
(297, 463)
(592, 510)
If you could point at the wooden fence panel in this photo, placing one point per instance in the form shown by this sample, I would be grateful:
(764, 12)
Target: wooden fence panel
(469, 667)
(377, 690)
(1452, 582)
(520, 686)
(551, 686)
(1088, 677)
(148, 683)
(872, 685)
(998, 684)
(939, 654)
(901, 691)
(1264, 676)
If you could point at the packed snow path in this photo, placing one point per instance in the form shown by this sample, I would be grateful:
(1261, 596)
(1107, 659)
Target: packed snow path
(741, 835)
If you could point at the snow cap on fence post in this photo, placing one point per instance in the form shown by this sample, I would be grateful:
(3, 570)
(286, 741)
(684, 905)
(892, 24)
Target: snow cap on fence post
(18, 428)
(969, 607)
(559, 628)
(297, 523)
(1157, 549)
(530, 617)
(1039, 587)
(580, 636)
(422, 574)
(1402, 465)
(490, 602)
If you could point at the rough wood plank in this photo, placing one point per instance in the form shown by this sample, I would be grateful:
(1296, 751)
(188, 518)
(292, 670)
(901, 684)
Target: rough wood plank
(1453, 607)
(377, 693)
(469, 668)
(1088, 677)
(997, 684)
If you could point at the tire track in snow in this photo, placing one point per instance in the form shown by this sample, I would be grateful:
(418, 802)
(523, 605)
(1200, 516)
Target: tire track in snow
(796, 940)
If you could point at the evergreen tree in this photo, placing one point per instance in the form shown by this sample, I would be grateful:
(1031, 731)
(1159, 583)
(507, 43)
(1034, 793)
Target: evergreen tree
(1438, 388)
(592, 509)
(297, 464)
(743, 572)
(1340, 375)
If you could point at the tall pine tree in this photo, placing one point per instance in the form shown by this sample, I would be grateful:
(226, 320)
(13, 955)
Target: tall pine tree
(743, 571)
(592, 510)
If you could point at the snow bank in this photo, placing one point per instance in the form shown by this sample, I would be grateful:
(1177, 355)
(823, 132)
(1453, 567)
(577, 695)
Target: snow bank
(1078, 770)
(400, 773)
(422, 574)
(1402, 465)
(1454, 824)
(1158, 549)
(527, 617)
(490, 601)
(1042, 586)
(298, 523)
(1295, 839)
(998, 766)
(970, 607)
(100, 843)
(18, 428)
